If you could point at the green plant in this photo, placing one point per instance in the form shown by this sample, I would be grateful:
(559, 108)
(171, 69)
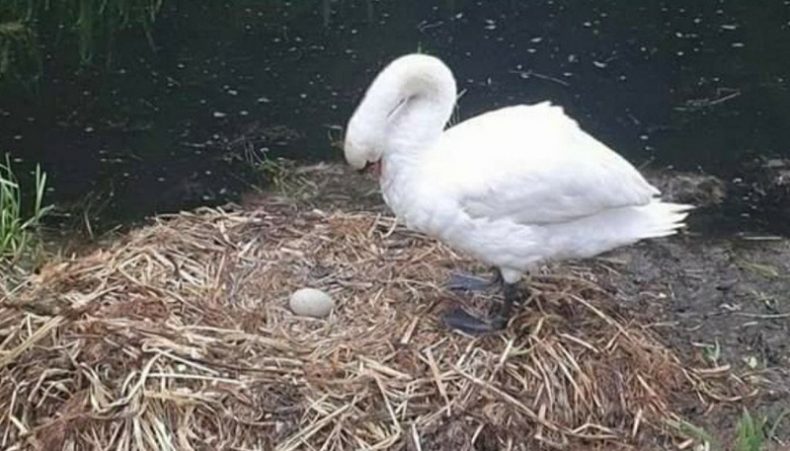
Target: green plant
(697, 433)
(17, 234)
(279, 172)
(712, 353)
(88, 25)
(749, 435)
(18, 50)
(97, 21)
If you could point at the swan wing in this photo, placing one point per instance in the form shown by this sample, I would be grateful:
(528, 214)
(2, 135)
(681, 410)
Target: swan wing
(532, 165)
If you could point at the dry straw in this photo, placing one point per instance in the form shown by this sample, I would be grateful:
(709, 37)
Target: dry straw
(177, 336)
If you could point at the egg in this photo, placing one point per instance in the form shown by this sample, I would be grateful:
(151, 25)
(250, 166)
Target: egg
(311, 302)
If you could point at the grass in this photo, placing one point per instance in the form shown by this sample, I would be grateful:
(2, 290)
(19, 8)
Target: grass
(750, 434)
(760, 269)
(695, 433)
(17, 232)
(18, 51)
(276, 170)
(712, 353)
(278, 173)
(87, 26)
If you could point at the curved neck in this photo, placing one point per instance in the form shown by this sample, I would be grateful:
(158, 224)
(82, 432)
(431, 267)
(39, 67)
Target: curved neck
(409, 104)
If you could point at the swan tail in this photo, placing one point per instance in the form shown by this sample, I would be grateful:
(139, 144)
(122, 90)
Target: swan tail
(657, 219)
(625, 226)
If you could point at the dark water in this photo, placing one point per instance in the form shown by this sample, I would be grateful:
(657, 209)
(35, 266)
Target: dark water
(693, 84)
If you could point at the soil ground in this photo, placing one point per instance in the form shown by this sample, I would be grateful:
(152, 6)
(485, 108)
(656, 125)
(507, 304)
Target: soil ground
(719, 298)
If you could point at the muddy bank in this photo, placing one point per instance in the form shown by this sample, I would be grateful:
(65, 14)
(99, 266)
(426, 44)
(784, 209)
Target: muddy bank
(720, 302)
(182, 330)
(720, 296)
(725, 302)
(750, 197)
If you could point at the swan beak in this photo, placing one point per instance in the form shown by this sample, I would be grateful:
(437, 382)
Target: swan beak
(372, 167)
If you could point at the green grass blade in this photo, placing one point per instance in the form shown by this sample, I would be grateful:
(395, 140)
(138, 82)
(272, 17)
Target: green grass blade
(750, 435)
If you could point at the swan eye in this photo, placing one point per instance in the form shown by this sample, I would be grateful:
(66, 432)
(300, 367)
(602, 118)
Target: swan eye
(397, 107)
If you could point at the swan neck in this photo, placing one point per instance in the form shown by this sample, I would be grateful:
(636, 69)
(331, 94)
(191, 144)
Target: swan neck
(429, 90)
(406, 107)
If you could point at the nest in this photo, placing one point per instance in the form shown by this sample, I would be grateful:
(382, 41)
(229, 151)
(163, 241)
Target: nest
(178, 336)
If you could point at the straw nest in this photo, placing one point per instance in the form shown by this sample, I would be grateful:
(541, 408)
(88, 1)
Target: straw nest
(178, 336)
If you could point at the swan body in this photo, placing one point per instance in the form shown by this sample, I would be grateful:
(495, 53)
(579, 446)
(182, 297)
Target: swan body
(515, 187)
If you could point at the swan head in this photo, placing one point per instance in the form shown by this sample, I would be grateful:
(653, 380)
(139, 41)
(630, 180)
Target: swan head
(406, 106)
(361, 147)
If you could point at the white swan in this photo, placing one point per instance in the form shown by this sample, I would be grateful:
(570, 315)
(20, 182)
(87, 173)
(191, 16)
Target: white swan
(514, 187)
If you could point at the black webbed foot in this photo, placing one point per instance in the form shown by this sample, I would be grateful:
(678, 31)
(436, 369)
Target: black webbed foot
(458, 319)
(467, 282)
(461, 281)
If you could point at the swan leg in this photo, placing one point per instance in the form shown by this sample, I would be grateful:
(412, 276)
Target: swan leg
(459, 319)
(501, 316)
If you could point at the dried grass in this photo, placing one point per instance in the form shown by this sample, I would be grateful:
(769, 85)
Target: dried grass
(178, 336)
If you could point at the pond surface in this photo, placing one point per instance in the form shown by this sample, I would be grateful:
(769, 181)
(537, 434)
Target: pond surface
(695, 85)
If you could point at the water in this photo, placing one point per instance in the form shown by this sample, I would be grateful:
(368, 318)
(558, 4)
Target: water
(695, 85)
